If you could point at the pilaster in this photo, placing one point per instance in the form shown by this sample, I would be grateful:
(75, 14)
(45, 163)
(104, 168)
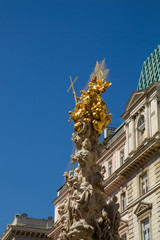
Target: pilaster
(147, 122)
(132, 139)
(127, 140)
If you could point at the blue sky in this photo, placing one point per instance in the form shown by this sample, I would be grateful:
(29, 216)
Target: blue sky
(41, 44)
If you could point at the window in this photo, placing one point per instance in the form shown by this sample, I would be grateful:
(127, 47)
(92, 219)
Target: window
(144, 183)
(110, 168)
(124, 237)
(145, 229)
(144, 212)
(141, 129)
(123, 201)
(121, 157)
(141, 122)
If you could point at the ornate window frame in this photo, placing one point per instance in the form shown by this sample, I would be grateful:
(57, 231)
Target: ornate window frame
(141, 122)
(143, 212)
(145, 229)
(139, 181)
(123, 202)
(141, 128)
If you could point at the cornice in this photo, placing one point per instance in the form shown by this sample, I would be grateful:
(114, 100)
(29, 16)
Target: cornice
(144, 196)
(132, 164)
(123, 224)
(142, 207)
(55, 231)
(142, 155)
(112, 147)
(155, 86)
(139, 157)
(60, 197)
(25, 231)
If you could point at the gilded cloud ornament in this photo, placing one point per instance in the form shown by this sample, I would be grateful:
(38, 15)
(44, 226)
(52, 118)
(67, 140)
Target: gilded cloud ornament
(90, 106)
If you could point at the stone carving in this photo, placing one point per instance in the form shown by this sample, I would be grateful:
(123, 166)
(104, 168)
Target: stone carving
(85, 215)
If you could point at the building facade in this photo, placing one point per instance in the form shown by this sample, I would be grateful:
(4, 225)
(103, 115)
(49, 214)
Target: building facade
(25, 228)
(132, 162)
(133, 166)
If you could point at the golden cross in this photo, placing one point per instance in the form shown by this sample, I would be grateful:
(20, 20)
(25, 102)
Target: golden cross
(74, 93)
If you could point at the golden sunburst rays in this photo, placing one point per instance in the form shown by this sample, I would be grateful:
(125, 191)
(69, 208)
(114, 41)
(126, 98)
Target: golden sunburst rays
(72, 86)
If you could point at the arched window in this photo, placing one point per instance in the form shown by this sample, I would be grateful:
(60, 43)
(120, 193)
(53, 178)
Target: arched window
(141, 122)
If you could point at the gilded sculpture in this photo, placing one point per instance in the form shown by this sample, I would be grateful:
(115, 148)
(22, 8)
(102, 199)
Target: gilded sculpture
(91, 106)
(84, 213)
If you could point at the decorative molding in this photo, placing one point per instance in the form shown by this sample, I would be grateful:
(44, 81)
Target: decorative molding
(142, 207)
(123, 224)
(136, 95)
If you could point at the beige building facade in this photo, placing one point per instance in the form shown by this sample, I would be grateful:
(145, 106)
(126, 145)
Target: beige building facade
(132, 162)
(25, 228)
